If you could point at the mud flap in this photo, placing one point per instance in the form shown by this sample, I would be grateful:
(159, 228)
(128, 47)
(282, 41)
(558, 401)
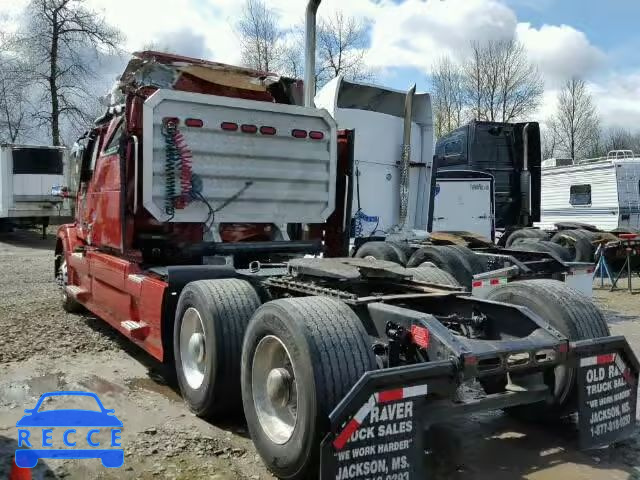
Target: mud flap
(377, 430)
(607, 381)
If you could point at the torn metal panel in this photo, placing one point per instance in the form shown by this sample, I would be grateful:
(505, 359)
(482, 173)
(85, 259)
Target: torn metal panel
(163, 70)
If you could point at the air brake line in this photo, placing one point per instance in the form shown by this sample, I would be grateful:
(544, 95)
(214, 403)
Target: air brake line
(177, 156)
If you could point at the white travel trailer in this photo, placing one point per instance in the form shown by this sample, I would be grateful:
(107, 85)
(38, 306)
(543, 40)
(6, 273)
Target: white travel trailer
(603, 192)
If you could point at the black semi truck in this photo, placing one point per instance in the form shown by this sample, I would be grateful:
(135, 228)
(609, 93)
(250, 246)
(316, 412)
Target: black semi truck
(508, 151)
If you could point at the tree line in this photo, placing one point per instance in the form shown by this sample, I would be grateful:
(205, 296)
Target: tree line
(48, 70)
(496, 82)
(49, 66)
(269, 47)
(50, 85)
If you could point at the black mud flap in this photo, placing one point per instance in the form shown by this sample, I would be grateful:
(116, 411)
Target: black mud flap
(377, 430)
(607, 372)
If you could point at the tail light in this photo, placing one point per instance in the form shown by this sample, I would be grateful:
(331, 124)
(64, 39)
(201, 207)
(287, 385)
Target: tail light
(297, 133)
(420, 336)
(248, 128)
(229, 126)
(316, 135)
(194, 122)
(267, 130)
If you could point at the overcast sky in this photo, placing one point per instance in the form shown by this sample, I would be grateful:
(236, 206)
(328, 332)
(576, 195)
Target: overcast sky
(595, 39)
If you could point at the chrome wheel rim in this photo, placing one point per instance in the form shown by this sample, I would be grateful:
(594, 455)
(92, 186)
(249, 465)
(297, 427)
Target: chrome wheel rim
(193, 351)
(274, 388)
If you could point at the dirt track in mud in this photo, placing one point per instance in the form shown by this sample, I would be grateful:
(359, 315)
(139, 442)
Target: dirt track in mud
(44, 349)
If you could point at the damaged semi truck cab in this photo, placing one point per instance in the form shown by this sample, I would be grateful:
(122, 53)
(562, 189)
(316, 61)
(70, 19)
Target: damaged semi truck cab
(206, 196)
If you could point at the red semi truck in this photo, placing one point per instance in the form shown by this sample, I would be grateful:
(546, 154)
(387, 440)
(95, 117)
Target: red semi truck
(211, 230)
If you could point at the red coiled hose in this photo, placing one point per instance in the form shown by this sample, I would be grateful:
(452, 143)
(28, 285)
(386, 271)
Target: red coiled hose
(186, 170)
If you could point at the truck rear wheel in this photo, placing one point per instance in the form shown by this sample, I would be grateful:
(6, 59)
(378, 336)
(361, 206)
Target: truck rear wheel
(446, 259)
(569, 312)
(382, 251)
(300, 357)
(211, 318)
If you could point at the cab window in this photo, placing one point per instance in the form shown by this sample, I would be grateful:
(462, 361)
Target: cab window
(114, 143)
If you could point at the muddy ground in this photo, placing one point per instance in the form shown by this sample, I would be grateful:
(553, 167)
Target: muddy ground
(44, 349)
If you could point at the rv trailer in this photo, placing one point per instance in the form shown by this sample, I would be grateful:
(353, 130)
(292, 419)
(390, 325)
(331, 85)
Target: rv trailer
(603, 192)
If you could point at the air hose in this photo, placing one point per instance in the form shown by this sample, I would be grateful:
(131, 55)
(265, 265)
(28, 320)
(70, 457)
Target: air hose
(178, 156)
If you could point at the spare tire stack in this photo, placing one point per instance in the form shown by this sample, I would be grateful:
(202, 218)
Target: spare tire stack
(545, 246)
(461, 262)
(578, 242)
(526, 233)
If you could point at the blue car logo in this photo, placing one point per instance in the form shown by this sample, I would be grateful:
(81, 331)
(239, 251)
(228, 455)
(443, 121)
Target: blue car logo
(70, 418)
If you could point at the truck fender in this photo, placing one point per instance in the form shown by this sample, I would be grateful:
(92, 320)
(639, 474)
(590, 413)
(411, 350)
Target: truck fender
(66, 242)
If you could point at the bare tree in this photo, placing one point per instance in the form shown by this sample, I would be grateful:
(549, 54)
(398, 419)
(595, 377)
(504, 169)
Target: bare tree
(260, 36)
(549, 141)
(341, 49)
(15, 107)
(63, 40)
(448, 95)
(618, 139)
(475, 81)
(575, 124)
(501, 83)
(292, 56)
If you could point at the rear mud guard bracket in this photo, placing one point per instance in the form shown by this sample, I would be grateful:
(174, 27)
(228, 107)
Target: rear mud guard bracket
(607, 382)
(377, 430)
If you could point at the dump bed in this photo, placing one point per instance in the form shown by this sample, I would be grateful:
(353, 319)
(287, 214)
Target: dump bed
(251, 161)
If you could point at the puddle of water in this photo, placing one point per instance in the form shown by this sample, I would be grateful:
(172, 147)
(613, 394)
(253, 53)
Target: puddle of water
(151, 386)
(99, 385)
(17, 393)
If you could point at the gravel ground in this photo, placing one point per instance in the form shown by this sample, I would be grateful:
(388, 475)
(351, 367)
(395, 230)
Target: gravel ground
(44, 349)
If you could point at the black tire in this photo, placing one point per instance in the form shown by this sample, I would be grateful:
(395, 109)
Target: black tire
(446, 259)
(476, 263)
(225, 307)
(572, 314)
(532, 233)
(69, 304)
(578, 242)
(561, 252)
(433, 275)
(382, 251)
(405, 248)
(329, 350)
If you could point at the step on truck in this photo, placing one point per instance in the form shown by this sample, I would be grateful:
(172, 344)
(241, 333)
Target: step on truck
(211, 230)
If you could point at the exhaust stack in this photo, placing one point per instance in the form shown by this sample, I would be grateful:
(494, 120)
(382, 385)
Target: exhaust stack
(406, 156)
(310, 53)
(525, 180)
